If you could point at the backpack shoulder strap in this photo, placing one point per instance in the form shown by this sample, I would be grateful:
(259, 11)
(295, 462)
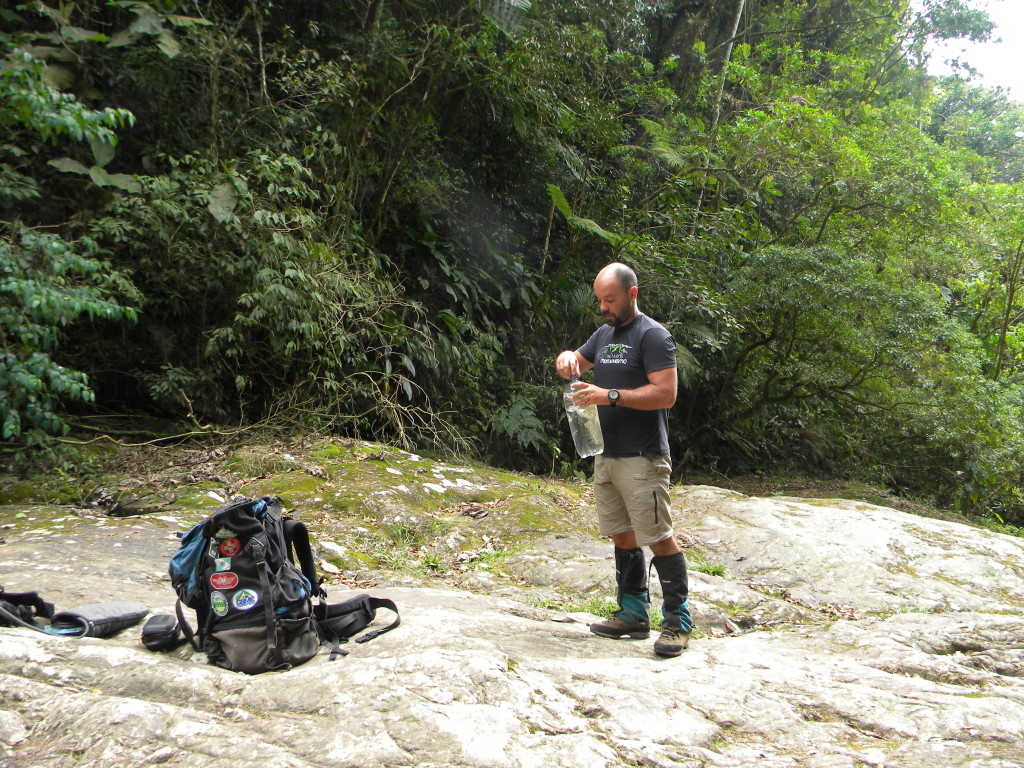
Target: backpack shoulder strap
(297, 536)
(186, 629)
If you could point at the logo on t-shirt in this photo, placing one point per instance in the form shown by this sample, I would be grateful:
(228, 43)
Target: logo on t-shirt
(615, 354)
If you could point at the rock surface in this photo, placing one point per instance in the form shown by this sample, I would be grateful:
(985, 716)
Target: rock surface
(833, 634)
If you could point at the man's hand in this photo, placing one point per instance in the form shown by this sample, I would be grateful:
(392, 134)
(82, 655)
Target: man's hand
(585, 394)
(567, 364)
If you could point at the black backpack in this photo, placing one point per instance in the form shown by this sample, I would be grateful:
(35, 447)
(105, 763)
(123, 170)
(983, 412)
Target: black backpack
(253, 605)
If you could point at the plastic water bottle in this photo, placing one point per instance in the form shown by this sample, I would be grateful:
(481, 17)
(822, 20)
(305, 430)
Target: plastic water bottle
(583, 423)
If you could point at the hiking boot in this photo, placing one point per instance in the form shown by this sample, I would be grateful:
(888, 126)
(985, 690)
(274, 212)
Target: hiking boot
(616, 627)
(676, 622)
(633, 616)
(671, 642)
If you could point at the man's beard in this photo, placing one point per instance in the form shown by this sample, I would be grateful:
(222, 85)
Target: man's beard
(613, 320)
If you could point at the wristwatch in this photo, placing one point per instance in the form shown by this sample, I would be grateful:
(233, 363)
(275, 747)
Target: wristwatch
(613, 397)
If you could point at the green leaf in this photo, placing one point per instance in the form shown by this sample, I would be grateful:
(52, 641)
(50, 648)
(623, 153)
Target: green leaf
(100, 177)
(59, 76)
(168, 43)
(67, 165)
(122, 38)
(124, 181)
(188, 21)
(594, 228)
(223, 200)
(103, 151)
(50, 53)
(559, 200)
(147, 21)
(78, 35)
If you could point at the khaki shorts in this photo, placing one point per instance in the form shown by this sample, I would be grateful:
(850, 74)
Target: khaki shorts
(632, 495)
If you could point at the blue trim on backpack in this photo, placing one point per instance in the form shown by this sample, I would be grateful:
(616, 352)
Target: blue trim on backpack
(185, 561)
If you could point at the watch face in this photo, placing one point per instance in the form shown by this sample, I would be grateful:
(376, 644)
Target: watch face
(613, 395)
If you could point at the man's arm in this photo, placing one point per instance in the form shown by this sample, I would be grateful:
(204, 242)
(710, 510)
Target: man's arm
(659, 392)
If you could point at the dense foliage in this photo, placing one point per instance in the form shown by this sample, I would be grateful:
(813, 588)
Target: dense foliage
(383, 219)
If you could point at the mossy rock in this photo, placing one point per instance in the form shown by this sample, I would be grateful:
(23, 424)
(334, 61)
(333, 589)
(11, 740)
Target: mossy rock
(20, 493)
(259, 461)
(333, 451)
(42, 492)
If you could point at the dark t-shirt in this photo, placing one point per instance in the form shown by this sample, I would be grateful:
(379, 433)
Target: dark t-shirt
(622, 358)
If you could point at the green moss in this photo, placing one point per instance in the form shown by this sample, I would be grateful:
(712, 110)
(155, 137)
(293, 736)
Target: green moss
(44, 492)
(535, 520)
(20, 493)
(27, 518)
(196, 498)
(293, 487)
(331, 451)
(363, 559)
(258, 463)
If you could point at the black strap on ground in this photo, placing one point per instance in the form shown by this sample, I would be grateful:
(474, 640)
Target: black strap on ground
(330, 640)
(381, 602)
(31, 599)
(6, 617)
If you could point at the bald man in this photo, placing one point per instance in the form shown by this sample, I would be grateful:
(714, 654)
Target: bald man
(635, 381)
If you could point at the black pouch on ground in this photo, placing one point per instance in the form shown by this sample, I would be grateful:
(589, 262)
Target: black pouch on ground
(97, 619)
(162, 633)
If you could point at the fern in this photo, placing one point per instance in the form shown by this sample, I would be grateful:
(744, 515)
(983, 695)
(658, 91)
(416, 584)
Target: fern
(588, 225)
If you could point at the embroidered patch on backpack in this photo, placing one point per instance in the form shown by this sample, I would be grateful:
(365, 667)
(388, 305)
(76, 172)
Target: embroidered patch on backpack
(245, 599)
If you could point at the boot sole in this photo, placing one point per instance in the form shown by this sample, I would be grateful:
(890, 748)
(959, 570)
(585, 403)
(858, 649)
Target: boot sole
(669, 654)
(670, 650)
(620, 635)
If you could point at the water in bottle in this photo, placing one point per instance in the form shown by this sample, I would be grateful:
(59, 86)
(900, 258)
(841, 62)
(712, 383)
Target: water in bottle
(584, 424)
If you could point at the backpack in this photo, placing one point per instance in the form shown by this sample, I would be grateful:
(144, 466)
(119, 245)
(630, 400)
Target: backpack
(253, 605)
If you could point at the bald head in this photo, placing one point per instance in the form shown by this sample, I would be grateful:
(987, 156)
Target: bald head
(620, 273)
(615, 288)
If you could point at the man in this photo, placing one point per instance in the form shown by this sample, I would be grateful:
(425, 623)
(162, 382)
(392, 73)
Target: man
(635, 381)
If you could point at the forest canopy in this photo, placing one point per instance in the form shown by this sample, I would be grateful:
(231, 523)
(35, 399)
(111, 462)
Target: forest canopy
(382, 220)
